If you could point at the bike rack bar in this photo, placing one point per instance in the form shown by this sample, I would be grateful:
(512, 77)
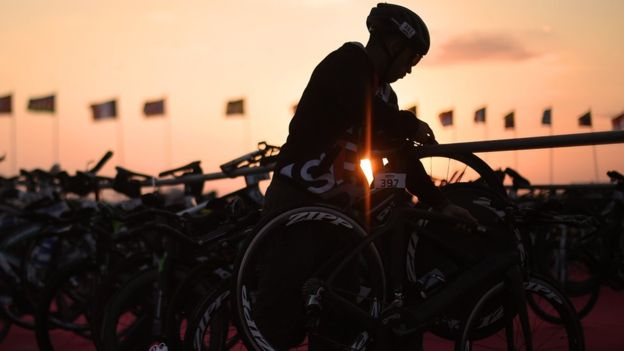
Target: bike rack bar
(565, 140)
(542, 142)
(590, 186)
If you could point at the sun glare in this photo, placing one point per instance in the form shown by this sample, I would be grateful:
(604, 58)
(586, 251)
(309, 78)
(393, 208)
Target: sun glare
(366, 167)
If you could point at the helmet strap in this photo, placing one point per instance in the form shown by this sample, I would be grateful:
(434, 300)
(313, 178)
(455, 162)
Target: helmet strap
(391, 57)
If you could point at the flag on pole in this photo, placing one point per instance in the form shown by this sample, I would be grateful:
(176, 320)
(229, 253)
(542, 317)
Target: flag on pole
(154, 108)
(446, 118)
(618, 122)
(42, 104)
(6, 104)
(413, 109)
(547, 117)
(479, 116)
(585, 120)
(235, 107)
(510, 122)
(105, 110)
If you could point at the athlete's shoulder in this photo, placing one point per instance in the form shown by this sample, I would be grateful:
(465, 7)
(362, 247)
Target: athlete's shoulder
(350, 57)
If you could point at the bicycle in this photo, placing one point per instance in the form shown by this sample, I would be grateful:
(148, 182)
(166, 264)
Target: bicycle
(191, 256)
(380, 316)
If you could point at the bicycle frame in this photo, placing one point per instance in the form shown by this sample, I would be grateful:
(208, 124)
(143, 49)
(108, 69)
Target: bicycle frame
(417, 317)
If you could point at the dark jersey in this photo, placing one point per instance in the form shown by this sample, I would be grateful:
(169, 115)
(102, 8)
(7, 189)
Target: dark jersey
(342, 103)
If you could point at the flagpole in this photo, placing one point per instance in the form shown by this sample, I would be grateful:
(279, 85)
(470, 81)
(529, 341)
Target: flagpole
(247, 136)
(485, 136)
(13, 135)
(120, 142)
(596, 174)
(168, 142)
(551, 152)
(515, 151)
(56, 138)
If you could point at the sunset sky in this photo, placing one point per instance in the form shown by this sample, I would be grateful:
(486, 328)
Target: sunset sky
(520, 56)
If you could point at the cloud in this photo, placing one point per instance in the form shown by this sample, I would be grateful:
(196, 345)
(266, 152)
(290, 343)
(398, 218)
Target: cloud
(482, 48)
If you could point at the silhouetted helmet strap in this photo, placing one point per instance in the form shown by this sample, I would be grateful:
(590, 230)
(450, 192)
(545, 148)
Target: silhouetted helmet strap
(392, 57)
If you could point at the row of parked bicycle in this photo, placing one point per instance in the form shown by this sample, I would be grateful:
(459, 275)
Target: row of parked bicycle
(159, 272)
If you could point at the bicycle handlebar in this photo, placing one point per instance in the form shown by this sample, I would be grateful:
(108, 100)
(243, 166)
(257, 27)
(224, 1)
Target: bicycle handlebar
(101, 163)
(128, 173)
(264, 151)
(192, 167)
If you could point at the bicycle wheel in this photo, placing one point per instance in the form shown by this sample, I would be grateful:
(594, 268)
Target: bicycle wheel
(425, 256)
(508, 333)
(285, 292)
(212, 327)
(581, 284)
(450, 168)
(574, 270)
(63, 307)
(121, 272)
(129, 320)
(189, 296)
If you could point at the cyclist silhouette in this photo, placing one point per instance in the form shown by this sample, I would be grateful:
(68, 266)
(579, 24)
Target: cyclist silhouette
(347, 111)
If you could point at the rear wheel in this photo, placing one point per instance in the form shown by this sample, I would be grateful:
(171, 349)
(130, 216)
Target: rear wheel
(543, 335)
(450, 168)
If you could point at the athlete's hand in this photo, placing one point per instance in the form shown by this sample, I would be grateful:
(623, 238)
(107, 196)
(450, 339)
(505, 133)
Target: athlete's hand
(460, 213)
(424, 134)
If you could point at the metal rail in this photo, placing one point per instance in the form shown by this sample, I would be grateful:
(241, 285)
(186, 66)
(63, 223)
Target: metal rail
(588, 186)
(543, 142)
(565, 140)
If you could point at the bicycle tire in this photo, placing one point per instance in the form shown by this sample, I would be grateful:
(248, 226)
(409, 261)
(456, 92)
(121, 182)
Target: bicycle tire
(569, 332)
(583, 294)
(200, 282)
(245, 266)
(43, 315)
(487, 175)
(135, 297)
(211, 327)
(126, 269)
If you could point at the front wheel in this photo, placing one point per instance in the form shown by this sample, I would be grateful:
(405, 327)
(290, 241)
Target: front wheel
(284, 267)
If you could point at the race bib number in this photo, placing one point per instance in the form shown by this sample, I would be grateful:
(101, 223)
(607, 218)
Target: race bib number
(389, 180)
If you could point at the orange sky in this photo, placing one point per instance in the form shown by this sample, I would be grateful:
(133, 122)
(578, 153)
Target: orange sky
(506, 55)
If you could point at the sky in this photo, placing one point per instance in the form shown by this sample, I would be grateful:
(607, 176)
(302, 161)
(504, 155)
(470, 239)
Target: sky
(505, 55)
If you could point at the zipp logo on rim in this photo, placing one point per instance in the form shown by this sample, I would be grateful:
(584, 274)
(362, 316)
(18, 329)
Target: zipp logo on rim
(539, 288)
(206, 318)
(260, 341)
(318, 216)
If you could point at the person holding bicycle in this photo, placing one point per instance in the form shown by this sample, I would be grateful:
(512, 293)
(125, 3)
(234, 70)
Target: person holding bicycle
(347, 111)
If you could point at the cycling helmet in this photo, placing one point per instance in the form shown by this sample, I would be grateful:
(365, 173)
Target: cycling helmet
(387, 19)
